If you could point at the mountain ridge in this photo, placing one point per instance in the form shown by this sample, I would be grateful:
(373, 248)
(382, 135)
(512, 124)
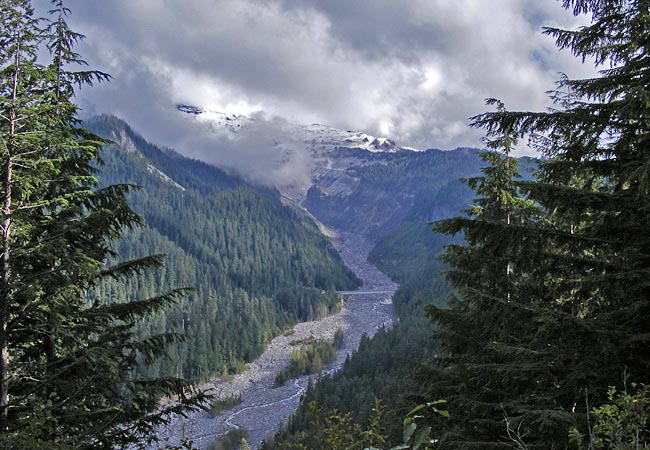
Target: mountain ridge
(345, 183)
(258, 267)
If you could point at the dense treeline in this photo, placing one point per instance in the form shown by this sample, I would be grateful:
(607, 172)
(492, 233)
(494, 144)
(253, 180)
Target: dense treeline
(67, 364)
(219, 405)
(544, 341)
(256, 266)
(234, 439)
(306, 360)
(409, 250)
(381, 368)
(552, 281)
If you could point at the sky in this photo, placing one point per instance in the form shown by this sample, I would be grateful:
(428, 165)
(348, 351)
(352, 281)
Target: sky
(411, 70)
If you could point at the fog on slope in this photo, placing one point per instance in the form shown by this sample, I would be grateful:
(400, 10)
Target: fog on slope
(258, 155)
(267, 150)
(262, 152)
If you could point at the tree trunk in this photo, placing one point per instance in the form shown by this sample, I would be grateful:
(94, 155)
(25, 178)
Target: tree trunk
(5, 290)
(4, 297)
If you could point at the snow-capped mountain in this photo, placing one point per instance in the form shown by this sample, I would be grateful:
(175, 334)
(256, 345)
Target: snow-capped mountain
(337, 176)
(219, 122)
(296, 156)
(317, 137)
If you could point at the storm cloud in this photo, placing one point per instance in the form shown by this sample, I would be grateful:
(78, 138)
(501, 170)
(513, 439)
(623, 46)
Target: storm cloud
(412, 70)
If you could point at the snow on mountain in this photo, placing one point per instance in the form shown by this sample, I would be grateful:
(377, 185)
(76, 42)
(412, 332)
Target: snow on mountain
(291, 156)
(317, 137)
(218, 122)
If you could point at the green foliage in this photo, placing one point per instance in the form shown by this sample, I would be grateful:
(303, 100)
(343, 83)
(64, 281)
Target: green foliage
(258, 267)
(306, 341)
(382, 367)
(219, 405)
(624, 422)
(234, 439)
(414, 439)
(328, 429)
(379, 369)
(339, 339)
(478, 331)
(551, 304)
(306, 360)
(67, 364)
(332, 430)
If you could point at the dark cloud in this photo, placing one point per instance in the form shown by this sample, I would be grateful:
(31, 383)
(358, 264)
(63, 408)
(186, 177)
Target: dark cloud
(378, 29)
(412, 70)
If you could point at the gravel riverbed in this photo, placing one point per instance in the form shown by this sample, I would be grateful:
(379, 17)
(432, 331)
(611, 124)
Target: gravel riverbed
(264, 409)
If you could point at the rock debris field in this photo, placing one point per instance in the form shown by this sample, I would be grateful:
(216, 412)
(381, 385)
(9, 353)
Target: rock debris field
(264, 409)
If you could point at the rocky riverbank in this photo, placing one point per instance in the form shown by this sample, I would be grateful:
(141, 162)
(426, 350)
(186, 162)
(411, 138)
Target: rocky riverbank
(265, 408)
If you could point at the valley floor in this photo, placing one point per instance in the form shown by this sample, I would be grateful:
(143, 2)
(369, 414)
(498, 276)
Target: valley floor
(264, 408)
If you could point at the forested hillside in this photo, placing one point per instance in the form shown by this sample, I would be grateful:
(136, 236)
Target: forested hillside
(381, 369)
(409, 251)
(67, 365)
(544, 340)
(257, 267)
(386, 366)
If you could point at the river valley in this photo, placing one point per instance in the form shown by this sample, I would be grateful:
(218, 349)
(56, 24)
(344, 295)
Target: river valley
(265, 408)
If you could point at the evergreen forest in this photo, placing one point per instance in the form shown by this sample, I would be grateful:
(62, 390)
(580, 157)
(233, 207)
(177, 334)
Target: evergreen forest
(67, 361)
(130, 273)
(542, 340)
(257, 266)
(119, 283)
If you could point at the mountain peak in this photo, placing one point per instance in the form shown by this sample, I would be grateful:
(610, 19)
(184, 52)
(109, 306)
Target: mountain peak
(318, 138)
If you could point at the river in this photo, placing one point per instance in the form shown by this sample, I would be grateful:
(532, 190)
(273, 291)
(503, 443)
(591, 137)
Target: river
(264, 409)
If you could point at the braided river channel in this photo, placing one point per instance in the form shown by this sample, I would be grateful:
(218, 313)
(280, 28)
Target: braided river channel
(265, 408)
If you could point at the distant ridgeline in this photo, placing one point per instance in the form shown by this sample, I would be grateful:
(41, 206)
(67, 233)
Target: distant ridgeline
(408, 251)
(391, 198)
(373, 193)
(256, 265)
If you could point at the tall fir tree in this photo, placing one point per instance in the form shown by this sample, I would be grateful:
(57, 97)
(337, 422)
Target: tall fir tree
(67, 363)
(582, 287)
(479, 329)
(19, 100)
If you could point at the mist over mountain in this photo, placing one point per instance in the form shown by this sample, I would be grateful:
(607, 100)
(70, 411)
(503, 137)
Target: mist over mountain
(348, 179)
(271, 150)
(256, 264)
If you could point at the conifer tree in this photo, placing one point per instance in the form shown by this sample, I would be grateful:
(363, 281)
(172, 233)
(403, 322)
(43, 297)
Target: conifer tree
(478, 375)
(67, 360)
(582, 288)
(20, 101)
(594, 186)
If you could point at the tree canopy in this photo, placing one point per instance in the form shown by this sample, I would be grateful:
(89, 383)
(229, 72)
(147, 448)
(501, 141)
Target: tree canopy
(551, 308)
(66, 364)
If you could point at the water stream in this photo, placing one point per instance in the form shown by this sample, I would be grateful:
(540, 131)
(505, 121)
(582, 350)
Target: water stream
(264, 408)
